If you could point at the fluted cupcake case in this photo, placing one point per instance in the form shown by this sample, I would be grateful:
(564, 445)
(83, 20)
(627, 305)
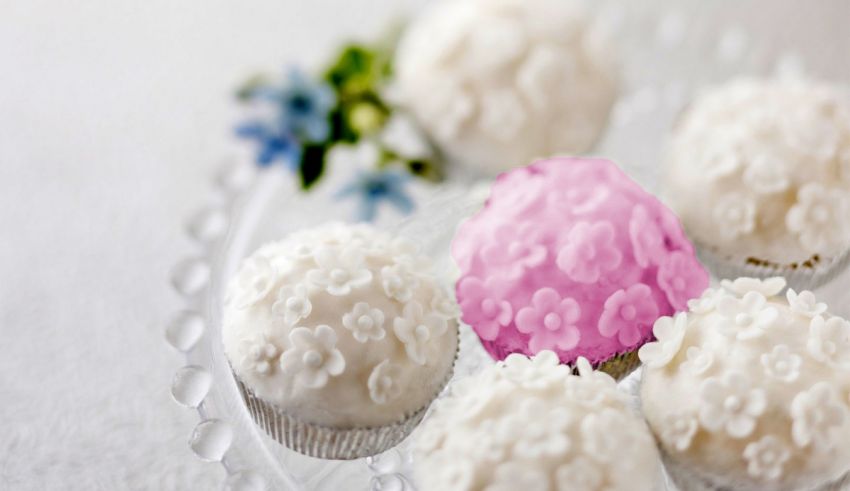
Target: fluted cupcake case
(339, 338)
(571, 255)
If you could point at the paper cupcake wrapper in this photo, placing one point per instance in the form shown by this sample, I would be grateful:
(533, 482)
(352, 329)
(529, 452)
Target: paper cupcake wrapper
(806, 275)
(619, 366)
(687, 479)
(326, 442)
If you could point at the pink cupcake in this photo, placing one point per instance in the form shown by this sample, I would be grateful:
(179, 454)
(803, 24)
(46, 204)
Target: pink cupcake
(571, 255)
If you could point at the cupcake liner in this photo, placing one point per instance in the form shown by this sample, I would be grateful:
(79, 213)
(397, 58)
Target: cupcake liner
(687, 479)
(326, 442)
(806, 275)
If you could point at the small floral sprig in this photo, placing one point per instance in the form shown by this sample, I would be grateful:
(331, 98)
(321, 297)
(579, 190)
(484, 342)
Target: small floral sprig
(307, 121)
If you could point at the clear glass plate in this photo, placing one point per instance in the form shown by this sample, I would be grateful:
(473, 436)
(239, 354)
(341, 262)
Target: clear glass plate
(670, 49)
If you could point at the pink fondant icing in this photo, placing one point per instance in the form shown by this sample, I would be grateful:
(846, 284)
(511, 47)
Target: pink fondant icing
(571, 255)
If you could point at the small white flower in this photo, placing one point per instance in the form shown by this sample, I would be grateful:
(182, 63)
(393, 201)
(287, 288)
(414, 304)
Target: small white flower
(669, 332)
(767, 175)
(678, 430)
(364, 322)
(829, 341)
(766, 457)
(540, 372)
(511, 476)
(767, 287)
(312, 357)
(383, 382)
(254, 281)
(259, 354)
(543, 432)
(339, 271)
(580, 474)
(805, 303)
(705, 303)
(735, 215)
(293, 304)
(818, 219)
(816, 413)
(502, 114)
(599, 441)
(444, 304)
(591, 388)
(415, 329)
(398, 282)
(732, 404)
(543, 70)
(748, 317)
(446, 109)
(720, 162)
(782, 364)
(698, 360)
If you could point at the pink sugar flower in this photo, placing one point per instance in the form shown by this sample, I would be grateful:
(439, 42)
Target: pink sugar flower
(483, 305)
(589, 252)
(517, 247)
(647, 238)
(681, 278)
(625, 311)
(550, 320)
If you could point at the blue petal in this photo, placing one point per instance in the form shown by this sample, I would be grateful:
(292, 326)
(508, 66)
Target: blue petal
(252, 130)
(401, 201)
(316, 129)
(367, 210)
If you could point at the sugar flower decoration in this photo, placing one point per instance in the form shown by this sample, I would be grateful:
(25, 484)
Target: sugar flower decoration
(444, 305)
(697, 360)
(398, 282)
(550, 320)
(625, 310)
(580, 474)
(305, 105)
(339, 271)
(818, 219)
(705, 303)
(274, 143)
(293, 304)
(766, 457)
(735, 216)
(259, 355)
(829, 341)
(767, 175)
(647, 238)
(543, 432)
(678, 430)
(256, 278)
(719, 161)
(416, 328)
(681, 278)
(731, 404)
(517, 246)
(365, 322)
(383, 382)
(312, 357)
(669, 333)
(586, 389)
(816, 412)
(374, 187)
(589, 252)
(805, 303)
(540, 372)
(782, 364)
(597, 437)
(767, 287)
(483, 308)
(748, 317)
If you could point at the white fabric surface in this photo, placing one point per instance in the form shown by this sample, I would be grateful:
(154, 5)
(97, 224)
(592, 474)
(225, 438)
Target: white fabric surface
(113, 115)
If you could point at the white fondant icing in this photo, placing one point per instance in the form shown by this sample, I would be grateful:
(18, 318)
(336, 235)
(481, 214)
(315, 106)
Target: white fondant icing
(498, 83)
(771, 159)
(309, 326)
(768, 408)
(514, 426)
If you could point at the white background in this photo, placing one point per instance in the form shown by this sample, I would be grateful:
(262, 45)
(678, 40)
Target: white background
(113, 116)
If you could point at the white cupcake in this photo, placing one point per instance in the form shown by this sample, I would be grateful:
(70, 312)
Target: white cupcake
(751, 391)
(759, 172)
(530, 425)
(499, 83)
(339, 337)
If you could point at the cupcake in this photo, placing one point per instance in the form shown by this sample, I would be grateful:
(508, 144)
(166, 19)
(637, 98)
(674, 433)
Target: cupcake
(570, 255)
(529, 424)
(499, 82)
(750, 390)
(339, 338)
(759, 172)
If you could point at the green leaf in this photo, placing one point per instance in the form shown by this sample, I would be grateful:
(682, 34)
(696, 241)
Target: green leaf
(312, 165)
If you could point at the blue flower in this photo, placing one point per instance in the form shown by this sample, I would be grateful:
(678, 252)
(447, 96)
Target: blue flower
(304, 105)
(372, 187)
(275, 143)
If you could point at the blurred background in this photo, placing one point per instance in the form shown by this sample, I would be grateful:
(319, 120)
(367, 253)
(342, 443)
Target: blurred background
(114, 116)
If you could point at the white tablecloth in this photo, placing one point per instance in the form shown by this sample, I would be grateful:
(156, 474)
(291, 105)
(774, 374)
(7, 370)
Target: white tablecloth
(113, 115)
